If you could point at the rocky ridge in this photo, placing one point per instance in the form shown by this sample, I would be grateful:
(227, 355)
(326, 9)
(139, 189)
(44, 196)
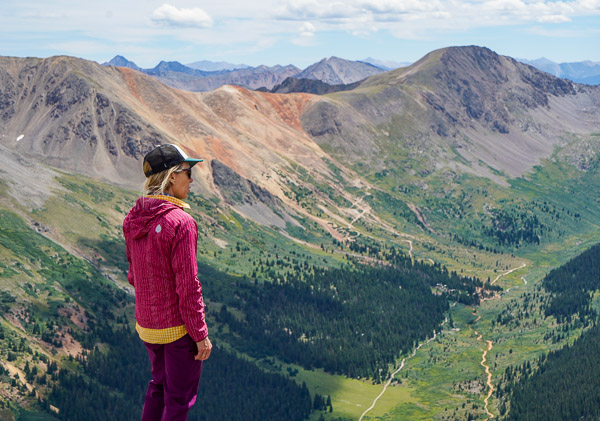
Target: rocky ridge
(463, 104)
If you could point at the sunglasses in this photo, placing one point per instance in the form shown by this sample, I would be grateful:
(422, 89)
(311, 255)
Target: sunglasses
(188, 171)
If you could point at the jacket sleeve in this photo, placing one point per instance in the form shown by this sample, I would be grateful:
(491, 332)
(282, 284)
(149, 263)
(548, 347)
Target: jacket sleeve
(187, 285)
(128, 250)
(130, 270)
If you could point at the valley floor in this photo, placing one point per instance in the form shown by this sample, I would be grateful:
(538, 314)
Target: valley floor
(454, 373)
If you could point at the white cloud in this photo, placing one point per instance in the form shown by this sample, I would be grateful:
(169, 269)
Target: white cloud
(142, 30)
(554, 33)
(395, 6)
(352, 9)
(554, 19)
(307, 30)
(590, 4)
(353, 15)
(307, 35)
(317, 10)
(170, 15)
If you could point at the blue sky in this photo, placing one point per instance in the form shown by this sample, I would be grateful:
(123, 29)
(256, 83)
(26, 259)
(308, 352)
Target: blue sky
(298, 32)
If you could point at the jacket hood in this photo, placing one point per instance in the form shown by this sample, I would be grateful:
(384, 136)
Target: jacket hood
(143, 216)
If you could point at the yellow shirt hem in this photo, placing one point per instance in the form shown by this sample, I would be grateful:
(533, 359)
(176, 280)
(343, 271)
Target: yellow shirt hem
(160, 336)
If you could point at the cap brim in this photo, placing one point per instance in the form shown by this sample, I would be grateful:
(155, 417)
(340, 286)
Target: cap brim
(193, 161)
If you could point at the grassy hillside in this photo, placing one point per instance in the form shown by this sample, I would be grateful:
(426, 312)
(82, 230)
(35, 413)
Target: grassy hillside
(54, 258)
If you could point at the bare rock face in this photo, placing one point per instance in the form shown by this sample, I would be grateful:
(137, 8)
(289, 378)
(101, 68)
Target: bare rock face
(488, 87)
(72, 90)
(8, 96)
(68, 119)
(234, 188)
(249, 198)
(311, 86)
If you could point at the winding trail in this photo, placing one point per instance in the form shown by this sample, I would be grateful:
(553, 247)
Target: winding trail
(506, 273)
(410, 250)
(361, 212)
(489, 378)
(384, 389)
(396, 372)
(490, 345)
(17, 373)
(486, 367)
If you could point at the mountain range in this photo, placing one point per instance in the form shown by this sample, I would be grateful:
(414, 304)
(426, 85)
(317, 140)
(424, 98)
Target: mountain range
(206, 76)
(587, 72)
(334, 72)
(463, 166)
(503, 119)
(212, 66)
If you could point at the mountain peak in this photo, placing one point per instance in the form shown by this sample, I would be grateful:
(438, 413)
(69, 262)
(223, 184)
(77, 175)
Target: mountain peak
(120, 61)
(165, 67)
(337, 71)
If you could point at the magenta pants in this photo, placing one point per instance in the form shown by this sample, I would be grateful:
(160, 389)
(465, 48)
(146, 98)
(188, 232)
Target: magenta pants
(175, 378)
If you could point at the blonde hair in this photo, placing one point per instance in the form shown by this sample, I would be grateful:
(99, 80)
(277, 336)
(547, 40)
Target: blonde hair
(159, 183)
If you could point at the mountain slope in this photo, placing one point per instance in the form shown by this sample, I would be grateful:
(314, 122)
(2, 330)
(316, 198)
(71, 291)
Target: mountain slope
(172, 69)
(312, 86)
(100, 121)
(460, 109)
(199, 79)
(206, 76)
(492, 112)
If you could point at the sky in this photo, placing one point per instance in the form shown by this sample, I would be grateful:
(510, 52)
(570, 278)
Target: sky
(298, 32)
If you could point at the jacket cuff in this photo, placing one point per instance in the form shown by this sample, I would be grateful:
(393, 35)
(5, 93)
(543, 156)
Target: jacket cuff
(199, 334)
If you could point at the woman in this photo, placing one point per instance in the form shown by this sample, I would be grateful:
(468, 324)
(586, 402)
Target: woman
(161, 242)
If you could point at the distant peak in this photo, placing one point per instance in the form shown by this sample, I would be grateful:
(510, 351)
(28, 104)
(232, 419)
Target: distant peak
(120, 61)
(469, 49)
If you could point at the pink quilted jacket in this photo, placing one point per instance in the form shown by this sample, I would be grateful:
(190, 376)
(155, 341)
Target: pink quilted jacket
(161, 244)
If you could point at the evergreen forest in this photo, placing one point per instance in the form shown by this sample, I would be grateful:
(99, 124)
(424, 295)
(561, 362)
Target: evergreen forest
(354, 320)
(563, 384)
(112, 385)
(572, 285)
